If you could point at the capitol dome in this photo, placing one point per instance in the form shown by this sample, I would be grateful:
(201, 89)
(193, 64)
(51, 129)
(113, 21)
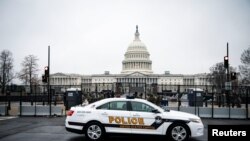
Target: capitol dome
(136, 58)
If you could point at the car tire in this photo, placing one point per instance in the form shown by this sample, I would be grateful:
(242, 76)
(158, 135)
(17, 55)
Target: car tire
(178, 132)
(94, 131)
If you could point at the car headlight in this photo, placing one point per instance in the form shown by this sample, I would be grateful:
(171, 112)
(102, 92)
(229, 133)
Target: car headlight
(197, 120)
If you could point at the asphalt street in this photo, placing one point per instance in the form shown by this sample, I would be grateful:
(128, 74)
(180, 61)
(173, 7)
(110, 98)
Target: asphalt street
(52, 129)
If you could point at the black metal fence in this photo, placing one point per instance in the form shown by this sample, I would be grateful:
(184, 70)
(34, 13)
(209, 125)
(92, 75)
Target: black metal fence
(203, 100)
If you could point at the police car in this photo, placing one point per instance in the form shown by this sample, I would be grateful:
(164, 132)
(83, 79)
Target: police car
(131, 116)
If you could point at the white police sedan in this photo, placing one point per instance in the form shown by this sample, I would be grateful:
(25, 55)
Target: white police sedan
(131, 116)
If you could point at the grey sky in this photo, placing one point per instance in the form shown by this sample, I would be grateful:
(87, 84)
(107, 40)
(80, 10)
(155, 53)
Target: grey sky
(89, 37)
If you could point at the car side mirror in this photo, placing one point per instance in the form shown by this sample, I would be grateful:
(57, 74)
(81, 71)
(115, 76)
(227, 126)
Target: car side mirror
(155, 111)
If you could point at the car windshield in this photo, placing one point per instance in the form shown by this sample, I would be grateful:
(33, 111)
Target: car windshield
(164, 108)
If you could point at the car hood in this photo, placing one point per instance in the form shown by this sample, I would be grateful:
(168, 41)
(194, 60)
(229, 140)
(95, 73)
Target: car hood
(172, 114)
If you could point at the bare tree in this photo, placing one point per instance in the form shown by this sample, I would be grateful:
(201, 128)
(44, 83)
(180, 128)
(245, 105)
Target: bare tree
(28, 74)
(245, 67)
(218, 74)
(6, 68)
(219, 77)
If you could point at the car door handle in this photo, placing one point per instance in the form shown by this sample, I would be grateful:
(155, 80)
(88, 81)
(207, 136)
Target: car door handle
(104, 114)
(136, 115)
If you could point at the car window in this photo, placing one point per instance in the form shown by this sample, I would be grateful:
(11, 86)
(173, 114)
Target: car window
(104, 106)
(115, 105)
(141, 107)
(118, 105)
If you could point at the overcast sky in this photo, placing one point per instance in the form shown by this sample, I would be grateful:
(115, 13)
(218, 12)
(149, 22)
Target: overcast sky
(90, 37)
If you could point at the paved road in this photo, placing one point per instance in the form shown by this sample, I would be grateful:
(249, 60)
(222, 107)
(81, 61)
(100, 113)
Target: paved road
(52, 129)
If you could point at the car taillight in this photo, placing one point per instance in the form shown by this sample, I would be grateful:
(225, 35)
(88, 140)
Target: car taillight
(70, 113)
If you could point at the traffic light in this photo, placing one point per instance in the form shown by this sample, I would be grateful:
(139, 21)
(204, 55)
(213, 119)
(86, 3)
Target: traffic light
(226, 61)
(44, 79)
(46, 71)
(233, 75)
(46, 75)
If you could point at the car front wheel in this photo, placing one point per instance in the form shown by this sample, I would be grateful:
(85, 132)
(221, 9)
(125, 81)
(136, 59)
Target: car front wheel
(178, 132)
(94, 131)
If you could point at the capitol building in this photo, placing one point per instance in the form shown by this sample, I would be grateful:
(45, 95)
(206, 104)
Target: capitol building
(136, 72)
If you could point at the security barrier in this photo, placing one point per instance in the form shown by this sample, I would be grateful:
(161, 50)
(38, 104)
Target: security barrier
(205, 112)
(238, 113)
(222, 112)
(206, 101)
(3, 110)
(40, 110)
(190, 110)
(27, 110)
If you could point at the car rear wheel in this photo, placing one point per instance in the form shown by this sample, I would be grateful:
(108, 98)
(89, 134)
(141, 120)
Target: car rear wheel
(94, 131)
(178, 132)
